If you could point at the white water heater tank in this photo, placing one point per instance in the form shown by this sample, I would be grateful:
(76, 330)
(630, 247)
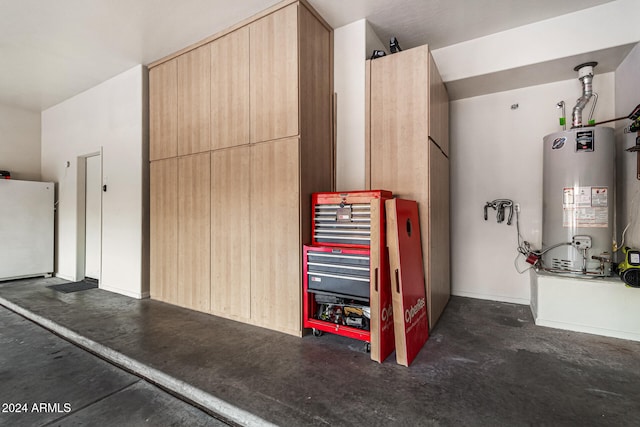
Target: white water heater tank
(578, 199)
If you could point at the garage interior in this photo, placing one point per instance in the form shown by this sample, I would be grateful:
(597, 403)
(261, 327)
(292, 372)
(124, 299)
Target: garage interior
(206, 141)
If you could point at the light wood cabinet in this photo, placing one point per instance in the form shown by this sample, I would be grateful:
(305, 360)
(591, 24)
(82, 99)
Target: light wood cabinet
(407, 153)
(275, 235)
(231, 233)
(438, 108)
(274, 75)
(230, 90)
(243, 205)
(316, 155)
(163, 111)
(439, 278)
(194, 108)
(194, 231)
(164, 230)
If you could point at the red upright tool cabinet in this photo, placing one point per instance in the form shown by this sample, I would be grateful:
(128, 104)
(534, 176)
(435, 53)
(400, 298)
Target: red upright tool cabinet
(347, 287)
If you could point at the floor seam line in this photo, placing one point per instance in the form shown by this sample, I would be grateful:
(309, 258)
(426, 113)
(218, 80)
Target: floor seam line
(178, 387)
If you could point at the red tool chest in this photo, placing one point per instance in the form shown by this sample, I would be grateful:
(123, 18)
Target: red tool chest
(347, 287)
(336, 281)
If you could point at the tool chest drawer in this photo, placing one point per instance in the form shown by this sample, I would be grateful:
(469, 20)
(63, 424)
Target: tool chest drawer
(336, 290)
(332, 271)
(344, 219)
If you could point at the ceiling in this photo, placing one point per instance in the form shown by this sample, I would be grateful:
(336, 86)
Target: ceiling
(53, 50)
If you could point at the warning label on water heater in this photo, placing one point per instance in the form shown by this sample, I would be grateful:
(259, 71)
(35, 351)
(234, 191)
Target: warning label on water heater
(585, 207)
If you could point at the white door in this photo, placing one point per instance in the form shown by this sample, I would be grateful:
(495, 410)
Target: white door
(93, 221)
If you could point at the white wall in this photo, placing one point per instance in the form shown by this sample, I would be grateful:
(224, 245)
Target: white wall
(588, 30)
(496, 152)
(353, 44)
(110, 117)
(627, 90)
(20, 143)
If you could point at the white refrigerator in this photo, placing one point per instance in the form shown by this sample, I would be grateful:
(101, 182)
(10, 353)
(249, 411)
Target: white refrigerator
(26, 228)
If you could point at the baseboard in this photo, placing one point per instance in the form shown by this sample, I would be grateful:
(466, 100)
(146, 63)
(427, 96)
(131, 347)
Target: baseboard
(136, 295)
(500, 298)
(588, 329)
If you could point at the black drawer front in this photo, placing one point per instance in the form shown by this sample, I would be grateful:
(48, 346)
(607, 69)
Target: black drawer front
(345, 287)
(338, 273)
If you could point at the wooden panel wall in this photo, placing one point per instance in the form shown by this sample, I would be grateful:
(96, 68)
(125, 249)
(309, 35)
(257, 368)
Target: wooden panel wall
(163, 111)
(164, 230)
(275, 235)
(406, 103)
(194, 107)
(316, 85)
(194, 231)
(230, 90)
(274, 75)
(230, 233)
(439, 277)
(438, 108)
(247, 119)
(398, 128)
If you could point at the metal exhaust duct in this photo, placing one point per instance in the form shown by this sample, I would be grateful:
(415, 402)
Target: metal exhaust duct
(585, 75)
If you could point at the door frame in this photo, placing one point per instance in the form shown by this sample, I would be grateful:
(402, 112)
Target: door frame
(81, 208)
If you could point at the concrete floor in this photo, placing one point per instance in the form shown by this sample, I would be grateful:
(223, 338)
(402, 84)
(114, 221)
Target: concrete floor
(76, 387)
(486, 363)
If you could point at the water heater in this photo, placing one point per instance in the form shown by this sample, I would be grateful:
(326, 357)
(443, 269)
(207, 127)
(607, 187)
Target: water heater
(578, 200)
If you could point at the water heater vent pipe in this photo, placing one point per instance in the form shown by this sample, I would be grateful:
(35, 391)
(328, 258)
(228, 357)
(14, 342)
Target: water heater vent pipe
(585, 75)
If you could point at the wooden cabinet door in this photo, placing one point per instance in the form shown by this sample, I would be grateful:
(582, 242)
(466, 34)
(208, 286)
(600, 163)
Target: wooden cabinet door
(194, 106)
(401, 158)
(439, 272)
(163, 111)
(230, 233)
(438, 108)
(164, 230)
(274, 75)
(275, 235)
(194, 231)
(398, 132)
(230, 90)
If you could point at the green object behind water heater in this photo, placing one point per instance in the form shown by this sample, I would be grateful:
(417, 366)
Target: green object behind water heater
(629, 269)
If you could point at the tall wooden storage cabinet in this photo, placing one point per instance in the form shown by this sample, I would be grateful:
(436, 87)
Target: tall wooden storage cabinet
(408, 153)
(241, 136)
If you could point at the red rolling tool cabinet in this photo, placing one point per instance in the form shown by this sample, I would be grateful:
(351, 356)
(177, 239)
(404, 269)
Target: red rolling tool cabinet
(347, 288)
